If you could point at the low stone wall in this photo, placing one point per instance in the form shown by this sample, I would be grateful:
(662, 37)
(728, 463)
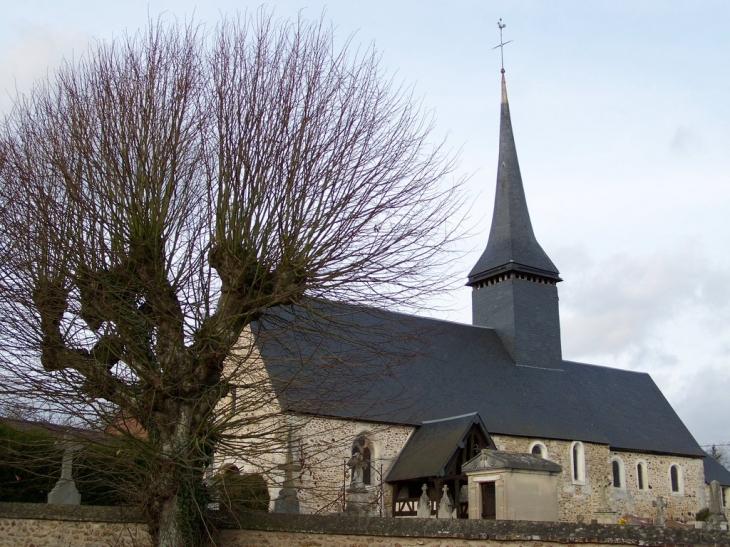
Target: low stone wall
(318, 531)
(41, 525)
(23, 525)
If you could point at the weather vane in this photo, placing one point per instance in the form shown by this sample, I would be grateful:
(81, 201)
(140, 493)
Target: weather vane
(502, 43)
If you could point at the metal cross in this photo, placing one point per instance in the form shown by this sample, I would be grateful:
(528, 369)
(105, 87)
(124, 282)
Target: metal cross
(501, 45)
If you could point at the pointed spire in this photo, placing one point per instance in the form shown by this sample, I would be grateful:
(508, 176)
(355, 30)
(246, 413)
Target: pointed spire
(512, 244)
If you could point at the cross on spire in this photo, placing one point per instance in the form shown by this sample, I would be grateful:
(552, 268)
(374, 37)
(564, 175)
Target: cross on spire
(502, 43)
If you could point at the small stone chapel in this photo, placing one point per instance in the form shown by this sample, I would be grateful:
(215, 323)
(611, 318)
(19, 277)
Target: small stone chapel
(447, 420)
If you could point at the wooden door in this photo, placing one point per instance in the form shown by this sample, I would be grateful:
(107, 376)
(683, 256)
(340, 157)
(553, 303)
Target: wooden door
(489, 501)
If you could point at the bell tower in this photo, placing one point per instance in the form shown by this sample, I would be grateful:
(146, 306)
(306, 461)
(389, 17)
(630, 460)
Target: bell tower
(514, 282)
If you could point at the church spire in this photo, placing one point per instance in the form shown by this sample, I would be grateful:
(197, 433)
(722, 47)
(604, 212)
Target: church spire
(512, 245)
(514, 281)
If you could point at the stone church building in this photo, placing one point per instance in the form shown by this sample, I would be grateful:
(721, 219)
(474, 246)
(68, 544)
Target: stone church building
(487, 420)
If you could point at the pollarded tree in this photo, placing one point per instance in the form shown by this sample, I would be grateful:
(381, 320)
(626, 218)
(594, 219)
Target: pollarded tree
(163, 192)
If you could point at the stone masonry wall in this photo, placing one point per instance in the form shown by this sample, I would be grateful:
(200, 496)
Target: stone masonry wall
(40, 525)
(580, 501)
(321, 447)
(682, 506)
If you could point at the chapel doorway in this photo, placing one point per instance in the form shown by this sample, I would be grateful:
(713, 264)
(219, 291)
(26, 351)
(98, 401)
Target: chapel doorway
(489, 501)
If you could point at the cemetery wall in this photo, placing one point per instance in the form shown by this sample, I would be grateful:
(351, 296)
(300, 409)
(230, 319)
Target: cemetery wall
(46, 526)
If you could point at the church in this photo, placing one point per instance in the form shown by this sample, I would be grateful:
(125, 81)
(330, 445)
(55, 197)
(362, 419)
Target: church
(397, 415)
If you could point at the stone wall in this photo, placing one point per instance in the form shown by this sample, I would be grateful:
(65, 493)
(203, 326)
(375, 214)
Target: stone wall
(579, 500)
(681, 506)
(320, 448)
(22, 525)
(41, 525)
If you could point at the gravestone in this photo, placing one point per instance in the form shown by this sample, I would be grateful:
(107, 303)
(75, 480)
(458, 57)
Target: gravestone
(445, 506)
(717, 519)
(660, 505)
(65, 492)
(424, 504)
(604, 514)
(286, 501)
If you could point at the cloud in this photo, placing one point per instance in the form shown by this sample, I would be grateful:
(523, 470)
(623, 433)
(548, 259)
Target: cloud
(615, 305)
(32, 53)
(664, 313)
(706, 415)
(684, 141)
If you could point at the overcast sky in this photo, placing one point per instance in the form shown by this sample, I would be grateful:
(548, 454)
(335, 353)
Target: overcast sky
(621, 113)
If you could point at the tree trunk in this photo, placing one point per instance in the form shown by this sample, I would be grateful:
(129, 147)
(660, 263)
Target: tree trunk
(170, 531)
(180, 519)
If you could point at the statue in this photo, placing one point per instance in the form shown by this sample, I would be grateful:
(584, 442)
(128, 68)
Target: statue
(357, 466)
(358, 502)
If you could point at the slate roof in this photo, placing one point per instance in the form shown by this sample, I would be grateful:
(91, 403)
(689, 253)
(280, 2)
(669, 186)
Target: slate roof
(352, 362)
(430, 448)
(714, 471)
(512, 244)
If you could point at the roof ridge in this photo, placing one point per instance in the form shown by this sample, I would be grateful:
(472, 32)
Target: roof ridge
(451, 418)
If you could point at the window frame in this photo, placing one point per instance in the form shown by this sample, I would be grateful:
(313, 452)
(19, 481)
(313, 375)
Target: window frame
(543, 449)
(680, 479)
(577, 462)
(642, 476)
(617, 465)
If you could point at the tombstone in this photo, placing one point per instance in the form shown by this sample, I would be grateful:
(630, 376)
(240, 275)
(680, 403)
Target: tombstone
(445, 506)
(660, 505)
(358, 499)
(286, 501)
(604, 514)
(424, 504)
(717, 519)
(65, 492)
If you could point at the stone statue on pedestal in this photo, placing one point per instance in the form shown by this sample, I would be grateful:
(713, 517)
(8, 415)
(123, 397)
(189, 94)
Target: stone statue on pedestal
(358, 501)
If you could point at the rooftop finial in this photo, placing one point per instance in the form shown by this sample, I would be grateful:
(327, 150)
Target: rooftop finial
(502, 43)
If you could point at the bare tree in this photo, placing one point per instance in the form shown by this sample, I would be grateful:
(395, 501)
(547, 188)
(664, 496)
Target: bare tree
(719, 452)
(166, 191)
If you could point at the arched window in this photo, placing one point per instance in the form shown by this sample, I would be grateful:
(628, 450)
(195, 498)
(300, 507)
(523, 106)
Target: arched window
(578, 462)
(539, 449)
(617, 471)
(642, 480)
(363, 446)
(675, 478)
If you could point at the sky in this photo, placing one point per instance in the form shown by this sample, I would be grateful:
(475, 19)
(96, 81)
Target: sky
(621, 115)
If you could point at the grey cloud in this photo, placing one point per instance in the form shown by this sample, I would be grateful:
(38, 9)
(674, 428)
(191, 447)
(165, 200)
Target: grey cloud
(615, 304)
